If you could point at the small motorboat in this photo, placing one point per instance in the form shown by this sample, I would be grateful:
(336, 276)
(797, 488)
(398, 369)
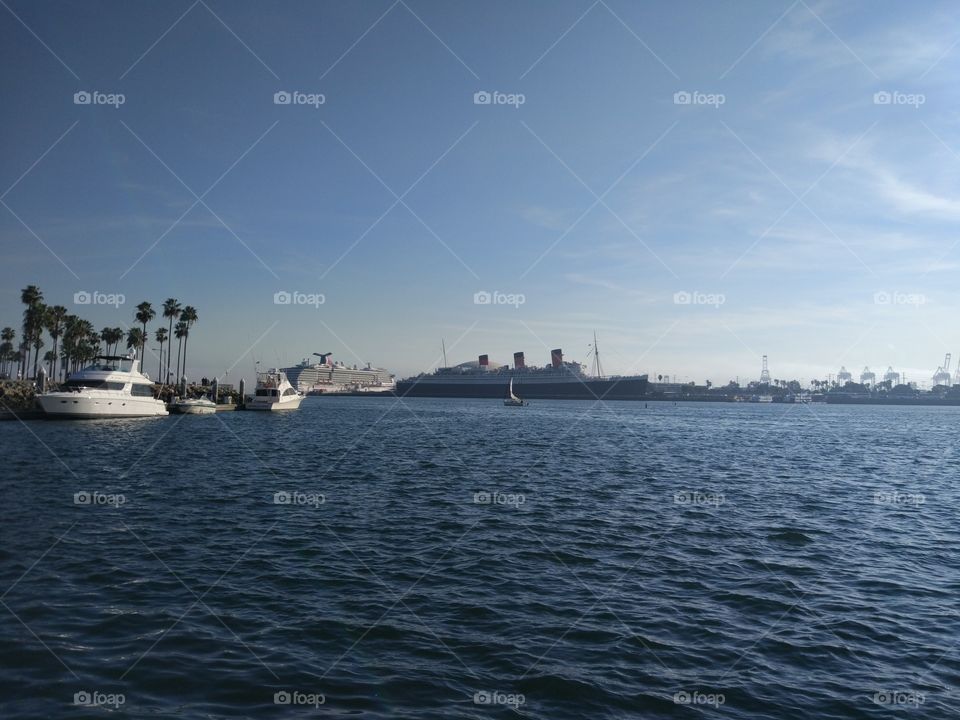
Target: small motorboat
(193, 406)
(512, 400)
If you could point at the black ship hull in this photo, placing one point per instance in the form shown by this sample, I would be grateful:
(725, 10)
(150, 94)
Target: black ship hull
(949, 400)
(626, 388)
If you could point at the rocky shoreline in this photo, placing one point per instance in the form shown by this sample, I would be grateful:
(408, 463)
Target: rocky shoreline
(17, 395)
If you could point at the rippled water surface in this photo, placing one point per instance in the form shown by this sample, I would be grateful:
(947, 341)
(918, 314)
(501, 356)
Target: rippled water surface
(458, 559)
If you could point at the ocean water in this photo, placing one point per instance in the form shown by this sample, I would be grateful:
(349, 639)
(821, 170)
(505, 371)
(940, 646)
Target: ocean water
(369, 558)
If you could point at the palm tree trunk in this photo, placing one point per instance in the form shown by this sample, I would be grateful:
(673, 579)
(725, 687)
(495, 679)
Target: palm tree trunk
(160, 366)
(179, 346)
(185, 338)
(169, 349)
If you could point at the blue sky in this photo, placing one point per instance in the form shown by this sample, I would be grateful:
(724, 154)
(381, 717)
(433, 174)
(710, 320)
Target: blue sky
(803, 214)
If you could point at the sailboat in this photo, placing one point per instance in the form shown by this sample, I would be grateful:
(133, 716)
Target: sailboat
(512, 400)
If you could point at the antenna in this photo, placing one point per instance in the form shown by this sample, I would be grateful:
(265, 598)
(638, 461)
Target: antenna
(765, 373)
(444, 346)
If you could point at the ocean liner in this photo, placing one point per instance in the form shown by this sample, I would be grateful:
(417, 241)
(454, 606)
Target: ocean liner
(560, 380)
(327, 376)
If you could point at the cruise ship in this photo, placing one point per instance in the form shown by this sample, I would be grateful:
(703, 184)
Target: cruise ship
(327, 376)
(560, 380)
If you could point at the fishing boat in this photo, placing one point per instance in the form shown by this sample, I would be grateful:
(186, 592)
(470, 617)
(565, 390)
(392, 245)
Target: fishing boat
(274, 392)
(112, 386)
(512, 400)
(193, 406)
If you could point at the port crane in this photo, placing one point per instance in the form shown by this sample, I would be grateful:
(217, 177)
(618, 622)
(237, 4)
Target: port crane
(942, 376)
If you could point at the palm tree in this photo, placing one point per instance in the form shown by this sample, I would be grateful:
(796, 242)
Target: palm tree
(171, 310)
(6, 352)
(116, 336)
(6, 356)
(7, 336)
(161, 336)
(111, 337)
(56, 317)
(32, 297)
(188, 317)
(135, 339)
(179, 332)
(145, 313)
(69, 344)
(89, 342)
(39, 314)
(81, 343)
(50, 358)
(23, 358)
(37, 344)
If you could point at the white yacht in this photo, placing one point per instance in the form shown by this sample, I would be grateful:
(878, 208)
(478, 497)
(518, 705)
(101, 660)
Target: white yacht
(274, 392)
(111, 387)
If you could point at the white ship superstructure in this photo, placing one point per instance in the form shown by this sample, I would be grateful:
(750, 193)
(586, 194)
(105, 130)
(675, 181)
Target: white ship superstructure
(328, 376)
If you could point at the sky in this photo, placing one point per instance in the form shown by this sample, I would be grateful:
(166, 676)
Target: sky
(698, 183)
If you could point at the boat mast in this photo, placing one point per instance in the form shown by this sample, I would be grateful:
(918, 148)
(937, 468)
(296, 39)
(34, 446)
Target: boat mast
(596, 356)
(444, 346)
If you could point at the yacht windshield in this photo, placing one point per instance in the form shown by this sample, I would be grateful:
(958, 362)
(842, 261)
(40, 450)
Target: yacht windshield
(111, 364)
(76, 385)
